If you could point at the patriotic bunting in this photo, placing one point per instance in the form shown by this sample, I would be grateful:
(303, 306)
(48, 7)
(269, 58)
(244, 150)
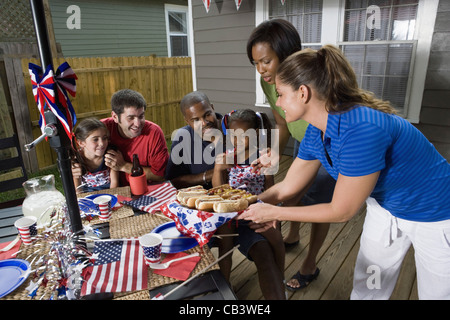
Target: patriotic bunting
(207, 3)
(44, 93)
(238, 4)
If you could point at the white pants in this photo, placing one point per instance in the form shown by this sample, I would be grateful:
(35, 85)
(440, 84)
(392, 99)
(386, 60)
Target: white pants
(384, 243)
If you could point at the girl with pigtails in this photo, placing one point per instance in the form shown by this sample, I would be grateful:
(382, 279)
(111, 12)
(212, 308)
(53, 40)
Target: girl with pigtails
(250, 134)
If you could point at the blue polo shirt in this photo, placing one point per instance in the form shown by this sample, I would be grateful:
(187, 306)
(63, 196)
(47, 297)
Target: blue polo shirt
(414, 182)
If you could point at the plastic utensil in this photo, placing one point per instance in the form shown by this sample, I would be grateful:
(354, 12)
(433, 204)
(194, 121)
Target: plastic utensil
(165, 265)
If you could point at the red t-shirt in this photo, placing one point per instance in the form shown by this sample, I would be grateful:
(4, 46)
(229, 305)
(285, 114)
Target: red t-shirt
(150, 146)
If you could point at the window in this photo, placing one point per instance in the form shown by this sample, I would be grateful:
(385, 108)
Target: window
(379, 42)
(177, 31)
(306, 16)
(386, 41)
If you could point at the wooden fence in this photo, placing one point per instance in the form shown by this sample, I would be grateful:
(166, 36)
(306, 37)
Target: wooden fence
(162, 81)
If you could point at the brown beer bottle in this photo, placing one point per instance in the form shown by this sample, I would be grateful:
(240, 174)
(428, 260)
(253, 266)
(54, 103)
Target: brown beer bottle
(137, 169)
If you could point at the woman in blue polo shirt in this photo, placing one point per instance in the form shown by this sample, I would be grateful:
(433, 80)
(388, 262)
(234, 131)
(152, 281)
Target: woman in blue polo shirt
(376, 157)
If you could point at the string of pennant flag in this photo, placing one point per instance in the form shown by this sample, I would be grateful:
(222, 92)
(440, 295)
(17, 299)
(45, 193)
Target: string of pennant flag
(207, 4)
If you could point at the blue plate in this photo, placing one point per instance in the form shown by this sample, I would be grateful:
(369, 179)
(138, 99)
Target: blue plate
(169, 230)
(13, 272)
(86, 205)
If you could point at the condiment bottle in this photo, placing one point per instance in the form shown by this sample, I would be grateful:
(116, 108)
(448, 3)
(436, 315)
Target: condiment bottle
(137, 169)
(138, 179)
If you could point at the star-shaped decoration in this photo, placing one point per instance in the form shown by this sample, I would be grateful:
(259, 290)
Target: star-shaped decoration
(44, 281)
(94, 256)
(79, 267)
(32, 288)
(62, 282)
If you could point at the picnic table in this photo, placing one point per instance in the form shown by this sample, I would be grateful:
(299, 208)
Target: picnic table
(129, 223)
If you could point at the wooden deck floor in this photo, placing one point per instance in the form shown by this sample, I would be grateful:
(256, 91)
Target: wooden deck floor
(336, 261)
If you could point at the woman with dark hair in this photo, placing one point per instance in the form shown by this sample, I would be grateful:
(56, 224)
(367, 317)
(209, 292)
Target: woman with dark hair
(269, 45)
(377, 158)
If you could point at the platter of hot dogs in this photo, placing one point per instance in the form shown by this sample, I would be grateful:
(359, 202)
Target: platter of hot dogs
(219, 199)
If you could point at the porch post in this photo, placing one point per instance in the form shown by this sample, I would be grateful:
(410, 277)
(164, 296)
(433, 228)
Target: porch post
(60, 142)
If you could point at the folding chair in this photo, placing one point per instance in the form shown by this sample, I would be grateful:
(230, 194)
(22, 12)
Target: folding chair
(11, 210)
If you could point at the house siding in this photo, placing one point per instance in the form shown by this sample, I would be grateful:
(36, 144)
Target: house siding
(112, 28)
(226, 76)
(435, 113)
(222, 68)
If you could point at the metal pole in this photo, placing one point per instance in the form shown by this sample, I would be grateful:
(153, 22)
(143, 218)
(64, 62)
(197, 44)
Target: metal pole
(60, 142)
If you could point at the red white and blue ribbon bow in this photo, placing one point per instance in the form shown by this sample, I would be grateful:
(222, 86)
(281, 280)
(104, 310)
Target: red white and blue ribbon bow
(66, 83)
(44, 93)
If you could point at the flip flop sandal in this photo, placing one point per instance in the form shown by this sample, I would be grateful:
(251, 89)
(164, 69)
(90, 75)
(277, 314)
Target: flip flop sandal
(303, 280)
(289, 245)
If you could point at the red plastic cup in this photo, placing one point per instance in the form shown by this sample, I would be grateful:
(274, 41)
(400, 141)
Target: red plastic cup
(138, 185)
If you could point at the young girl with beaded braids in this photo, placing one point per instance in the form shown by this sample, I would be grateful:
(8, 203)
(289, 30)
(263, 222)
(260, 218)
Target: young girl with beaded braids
(250, 133)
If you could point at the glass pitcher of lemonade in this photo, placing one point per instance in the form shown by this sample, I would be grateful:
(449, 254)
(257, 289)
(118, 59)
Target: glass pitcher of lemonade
(41, 198)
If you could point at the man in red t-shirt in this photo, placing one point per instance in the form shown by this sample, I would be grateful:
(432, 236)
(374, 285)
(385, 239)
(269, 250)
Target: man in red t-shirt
(131, 134)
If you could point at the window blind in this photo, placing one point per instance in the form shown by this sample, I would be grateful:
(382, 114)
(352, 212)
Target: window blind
(305, 15)
(377, 38)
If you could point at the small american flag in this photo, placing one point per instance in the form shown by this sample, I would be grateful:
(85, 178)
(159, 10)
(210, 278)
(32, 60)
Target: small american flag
(119, 267)
(155, 198)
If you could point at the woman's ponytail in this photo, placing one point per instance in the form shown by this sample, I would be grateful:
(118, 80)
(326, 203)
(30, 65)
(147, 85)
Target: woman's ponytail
(332, 77)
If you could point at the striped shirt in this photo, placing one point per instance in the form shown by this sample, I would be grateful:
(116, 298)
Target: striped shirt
(414, 181)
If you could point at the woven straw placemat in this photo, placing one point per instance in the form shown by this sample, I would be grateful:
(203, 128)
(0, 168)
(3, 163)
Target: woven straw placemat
(135, 226)
(28, 252)
(138, 295)
(119, 213)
